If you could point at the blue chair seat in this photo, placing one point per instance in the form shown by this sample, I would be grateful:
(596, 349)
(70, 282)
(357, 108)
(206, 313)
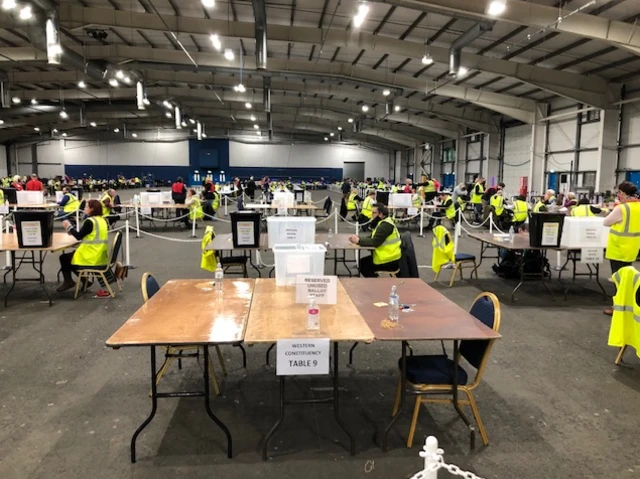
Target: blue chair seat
(436, 369)
(465, 257)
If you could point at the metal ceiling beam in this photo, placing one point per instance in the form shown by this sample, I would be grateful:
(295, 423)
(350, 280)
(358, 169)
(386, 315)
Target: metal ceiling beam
(591, 88)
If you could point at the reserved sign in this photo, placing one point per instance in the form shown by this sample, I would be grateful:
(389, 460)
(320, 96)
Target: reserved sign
(301, 357)
(323, 288)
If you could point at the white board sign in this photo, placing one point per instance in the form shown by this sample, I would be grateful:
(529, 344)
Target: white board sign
(4, 208)
(246, 233)
(145, 210)
(307, 197)
(323, 288)
(300, 357)
(550, 234)
(31, 233)
(591, 255)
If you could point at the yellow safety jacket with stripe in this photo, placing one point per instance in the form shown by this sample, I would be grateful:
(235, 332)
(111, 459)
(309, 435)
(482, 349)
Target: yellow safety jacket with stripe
(1, 197)
(380, 185)
(625, 323)
(215, 204)
(582, 210)
(520, 211)
(442, 252)
(72, 204)
(497, 201)
(195, 209)
(539, 204)
(351, 203)
(208, 262)
(450, 210)
(623, 243)
(430, 187)
(94, 249)
(391, 249)
(416, 201)
(106, 211)
(476, 194)
(367, 207)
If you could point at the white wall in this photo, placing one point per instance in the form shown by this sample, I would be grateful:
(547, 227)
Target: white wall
(517, 157)
(307, 156)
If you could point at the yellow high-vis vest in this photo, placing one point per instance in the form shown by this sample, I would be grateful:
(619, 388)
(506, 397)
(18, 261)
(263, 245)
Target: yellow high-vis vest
(208, 262)
(367, 207)
(497, 201)
(476, 194)
(106, 211)
(625, 323)
(72, 204)
(430, 187)
(450, 211)
(623, 243)
(351, 204)
(539, 204)
(215, 204)
(195, 209)
(582, 210)
(391, 249)
(94, 249)
(520, 211)
(442, 252)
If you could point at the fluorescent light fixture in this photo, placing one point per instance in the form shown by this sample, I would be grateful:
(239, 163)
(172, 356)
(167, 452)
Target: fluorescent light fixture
(26, 13)
(358, 20)
(326, 139)
(247, 105)
(167, 104)
(462, 71)
(215, 41)
(195, 130)
(208, 3)
(146, 101)
(253, 118)
(82, 84)
(55, 130)
(135, 135)
(54, 49)
(116, 130)
(386, 92)
(497, 7)
(331, 134)
(350, 120)
(177, 114)
(36, 129)
(64, 115)
(365, 108)
(204, 135)
(240, 88)
(228, 54)
(427, 59)
(397, 108)
(256, 126)
(183, 123)
(93, 124)
(8, 4)
(199, 130)
(127, 80)
(16, 100)
(64, 134)
(140, 96)
(192, 121)
(34, 101)
(339, 128)
(113, 82)
(168, 114)
(1, 122)
(120, 75)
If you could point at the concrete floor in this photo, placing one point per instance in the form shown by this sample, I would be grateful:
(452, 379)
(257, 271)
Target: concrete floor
(553, 402)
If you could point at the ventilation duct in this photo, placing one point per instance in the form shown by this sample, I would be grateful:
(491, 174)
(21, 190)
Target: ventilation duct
(260, 17)
(462, 41)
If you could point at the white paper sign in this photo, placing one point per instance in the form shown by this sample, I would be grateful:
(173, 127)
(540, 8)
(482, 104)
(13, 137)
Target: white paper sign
(31, 233)
(300, 357)
(591, 233)
(591, 255)
(4, 209)
(145, 210)
(550, 234)
(245, 233)
(323, 288)
(307, 197)
(412, 211)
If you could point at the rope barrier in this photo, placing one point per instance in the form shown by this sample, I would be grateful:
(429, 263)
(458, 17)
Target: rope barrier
(175, 240)
(152, 218)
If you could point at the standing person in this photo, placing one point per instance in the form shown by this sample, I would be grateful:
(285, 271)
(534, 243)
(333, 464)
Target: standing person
(251, 188)
(17, 183)
(94, 249)
(195, 208)
(623, 243)
(179, 195)
(476, 197)
(385, 238)
(407, 185)
(34, 184)
(459, 190)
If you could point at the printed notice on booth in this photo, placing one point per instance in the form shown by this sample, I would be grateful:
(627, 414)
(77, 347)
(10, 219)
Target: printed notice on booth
(591, 255)
(323, 288)
(299, 357)
(145, 210)
(246, 233)
(550, 233)
(31, 233)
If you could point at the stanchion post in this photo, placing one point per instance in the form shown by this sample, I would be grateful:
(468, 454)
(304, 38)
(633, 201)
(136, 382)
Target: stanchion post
(193, 224)
(126, 243)
(357, 251)
(137, 222)
(558, 261)
(430, 455)
(335, 218)
(7, 255)
(1, 229)
(421, 223)
(491, 222)
(78, 218)
(226, 202)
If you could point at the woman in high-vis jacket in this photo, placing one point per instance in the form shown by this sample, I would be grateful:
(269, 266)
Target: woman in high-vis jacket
(94, 249)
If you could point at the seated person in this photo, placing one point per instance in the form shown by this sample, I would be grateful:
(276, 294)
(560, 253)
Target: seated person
(350, 204)
(586, 209)
(94, 249)
(500, 214)
(385, 238)
(520, 213)
(69, 204)
(447, 208)
(366, 214)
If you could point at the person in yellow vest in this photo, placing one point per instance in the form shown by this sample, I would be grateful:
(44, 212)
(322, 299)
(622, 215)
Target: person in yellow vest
(497, 205)
(584, 208)
(366, 214)
(195, 208)
(380, 184)
(416, 198)
(623, 243)
(108, 201)
(446, 208)
(69, 203)
(385, 238)
(476, 197)
(429, 189)
(350, 204)
(94, 249)
(520, 212)
(543, 203)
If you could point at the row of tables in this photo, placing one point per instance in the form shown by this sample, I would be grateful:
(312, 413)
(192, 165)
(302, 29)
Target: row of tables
(255, 311)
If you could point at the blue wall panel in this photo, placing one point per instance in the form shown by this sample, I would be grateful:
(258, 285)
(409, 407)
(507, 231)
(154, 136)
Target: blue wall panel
(284, 173)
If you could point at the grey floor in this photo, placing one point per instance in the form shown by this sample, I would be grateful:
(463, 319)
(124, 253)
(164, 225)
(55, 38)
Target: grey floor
(553, 402)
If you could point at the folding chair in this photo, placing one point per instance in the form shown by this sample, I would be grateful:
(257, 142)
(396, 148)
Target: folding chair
(104, 274)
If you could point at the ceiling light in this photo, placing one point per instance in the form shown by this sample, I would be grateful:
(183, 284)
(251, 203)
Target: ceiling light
(331, 134)
(253, 118)
(339, 128)
(240, 88)
(257, 127)
(82, 84)
(113, 82)
(365, 108)
(358, 20)
(167, 104)
(462, 71)
(34, 101)
(168, 114)
(8, 4)
(183, 123)
(1, 122)
(208, 3)
(54, 49)
(64, 134)
(135, 135)
(247, 105)
(116, 130)
(427, 59)
(195, 130)
(204, 135)
(16, 100)
(326, 139)
(64, 115)
(192, 121)
(93, 124)
(146, 101)
(36, 129)
(120, 75)
(259, 133)
(26, 13)
(386, 92)
(228, 54)
(350, 120)
(55, 130)
(397, 108)
(215, 41)
(127, 80)
(497, 7)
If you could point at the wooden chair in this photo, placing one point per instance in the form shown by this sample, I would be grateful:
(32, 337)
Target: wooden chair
(460, 260)
(431, 375)
(388, 274)
(149, 287)
(104, 274)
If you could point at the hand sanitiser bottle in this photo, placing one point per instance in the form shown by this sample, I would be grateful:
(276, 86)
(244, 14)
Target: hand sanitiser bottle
(219, 277)
(313, 314)
(394, 304)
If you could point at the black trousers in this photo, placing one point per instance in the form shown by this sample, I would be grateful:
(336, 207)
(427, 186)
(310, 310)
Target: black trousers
(368, 269)
(66, 267)
(618, 265)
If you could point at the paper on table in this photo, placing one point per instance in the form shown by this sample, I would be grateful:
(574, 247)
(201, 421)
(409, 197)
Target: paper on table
(298, 264)
(380, 305)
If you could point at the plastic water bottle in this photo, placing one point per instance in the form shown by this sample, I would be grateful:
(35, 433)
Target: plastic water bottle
(512, 233)
(313, 314)
(394, 304)
(330, 234)
(219, 277)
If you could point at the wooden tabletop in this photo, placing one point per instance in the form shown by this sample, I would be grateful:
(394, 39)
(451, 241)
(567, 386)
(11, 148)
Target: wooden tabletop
(39, 205)
(189, 311)
(520, 242)
(434, 317)
(275, 315)
(59, 242)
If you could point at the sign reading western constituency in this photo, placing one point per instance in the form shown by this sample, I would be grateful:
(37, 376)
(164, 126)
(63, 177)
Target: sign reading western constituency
(299, 357)
(550, 233)
(246, 233)
(31, 233)
(591, 255)
(323, 288)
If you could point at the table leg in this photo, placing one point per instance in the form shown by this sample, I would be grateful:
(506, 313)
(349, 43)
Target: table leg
(456, 405)
(604, 293)
(154, 405)
(403, 385)
(13, 277)
(207, 404)
(336, 399)
(273, 345)
(521, 269)
(265, 444)
(253, 265)
(42, 256)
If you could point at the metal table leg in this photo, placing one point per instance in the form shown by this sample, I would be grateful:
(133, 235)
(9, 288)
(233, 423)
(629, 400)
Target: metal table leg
(403, 386)
(265, 444)
(154, 405)
(207, 404)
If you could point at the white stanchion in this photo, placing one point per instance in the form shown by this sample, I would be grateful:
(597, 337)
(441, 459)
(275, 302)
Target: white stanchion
(193, 225)
(430, 456)
(491, 222)
(421, 223)
(558, 261)
(335, 218)
(1, 229)
(78, 218)
(137, 222)
(7, 255)
(357, 252)
(126, 244)
(226, 202)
